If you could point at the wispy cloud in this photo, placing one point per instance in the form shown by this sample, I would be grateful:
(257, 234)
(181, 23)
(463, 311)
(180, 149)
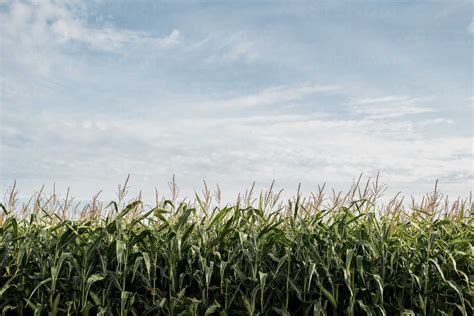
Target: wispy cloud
(276, 95)
(38, 22)
(470, 27)
(225, 47)
(288, 148)
(90, 94)
(471, 102)
(392, 106)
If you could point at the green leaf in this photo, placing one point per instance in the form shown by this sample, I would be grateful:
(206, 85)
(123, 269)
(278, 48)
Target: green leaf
(211, 309)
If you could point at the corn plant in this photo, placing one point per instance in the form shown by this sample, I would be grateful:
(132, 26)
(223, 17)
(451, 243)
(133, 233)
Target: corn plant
(335, 255)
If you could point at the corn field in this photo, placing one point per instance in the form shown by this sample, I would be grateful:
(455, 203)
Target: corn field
(324, 254)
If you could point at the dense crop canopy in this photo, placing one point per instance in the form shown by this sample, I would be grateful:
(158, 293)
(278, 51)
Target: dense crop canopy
(255, 256)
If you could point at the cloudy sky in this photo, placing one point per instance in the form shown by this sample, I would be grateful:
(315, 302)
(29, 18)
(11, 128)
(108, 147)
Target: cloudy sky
(233, 92)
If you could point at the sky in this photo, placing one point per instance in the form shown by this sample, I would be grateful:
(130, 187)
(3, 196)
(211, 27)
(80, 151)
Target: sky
(232, 92)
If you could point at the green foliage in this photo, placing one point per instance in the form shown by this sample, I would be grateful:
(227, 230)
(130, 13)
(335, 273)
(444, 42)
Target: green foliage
(193, 259)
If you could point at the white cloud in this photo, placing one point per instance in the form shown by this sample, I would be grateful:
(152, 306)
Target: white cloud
(110, 39)
(230, 47)
(240, 49)
(232, 151)
(97, 151)
(470, 28)
(389, 106)
(471, 102)
(35, 23)
(276, 95)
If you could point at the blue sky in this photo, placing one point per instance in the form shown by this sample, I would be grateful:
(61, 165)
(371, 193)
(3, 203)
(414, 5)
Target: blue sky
(233, 92)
